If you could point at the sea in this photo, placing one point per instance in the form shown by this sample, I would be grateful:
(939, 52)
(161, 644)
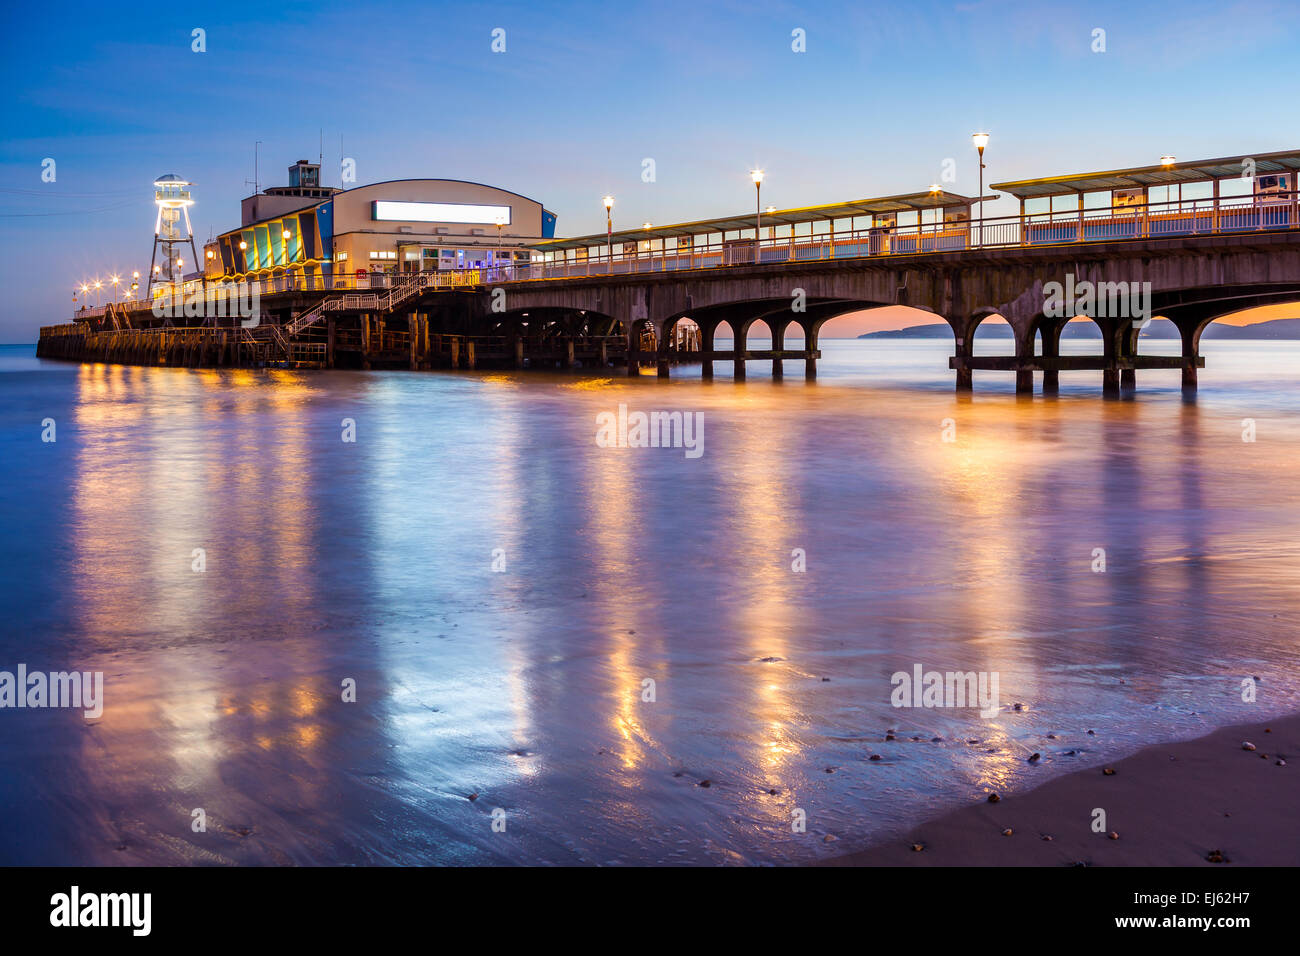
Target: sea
(391, 617)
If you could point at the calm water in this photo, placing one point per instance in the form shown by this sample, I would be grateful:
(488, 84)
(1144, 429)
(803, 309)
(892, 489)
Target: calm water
(372, 561)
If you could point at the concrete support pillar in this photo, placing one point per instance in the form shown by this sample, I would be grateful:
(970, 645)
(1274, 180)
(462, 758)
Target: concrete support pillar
(1024, 381)
(633, 351)
(706, 346)
(1188, 332)
(778, 344)
(810, 348)
(738, 345)
(1110, 375)
(962, 350)
(1051, 351)
(1128, 380)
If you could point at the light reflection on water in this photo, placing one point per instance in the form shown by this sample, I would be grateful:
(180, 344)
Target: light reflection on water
(373, 561)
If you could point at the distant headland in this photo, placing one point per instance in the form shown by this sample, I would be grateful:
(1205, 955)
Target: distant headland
(1158, 329)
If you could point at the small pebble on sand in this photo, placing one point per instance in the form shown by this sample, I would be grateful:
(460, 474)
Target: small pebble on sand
(1281, 763)
(918, 847)
(1109, 771)
(994, 798)
(1092, 733)
(1247, 745)
(706, 783)
(1112, 835)
(890, 737)
(1007, 831)
(1216, 856)
(1047, 837)
(1033, 757)
(874, 757)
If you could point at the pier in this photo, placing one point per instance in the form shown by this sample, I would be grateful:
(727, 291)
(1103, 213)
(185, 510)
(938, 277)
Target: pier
(658, 297)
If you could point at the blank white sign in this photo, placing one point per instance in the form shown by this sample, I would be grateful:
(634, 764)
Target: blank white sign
(389, 210)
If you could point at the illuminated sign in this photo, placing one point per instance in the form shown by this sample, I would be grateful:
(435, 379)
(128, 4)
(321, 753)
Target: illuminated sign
(388, 210)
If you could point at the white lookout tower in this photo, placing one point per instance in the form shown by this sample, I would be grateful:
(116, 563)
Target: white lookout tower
(172, 197)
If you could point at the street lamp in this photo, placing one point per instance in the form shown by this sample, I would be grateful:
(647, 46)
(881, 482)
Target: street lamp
(609, 231)
(501, 223)
(98, 284)
(981, 140)
(1168, 160)
(757, 176)
(116, 280)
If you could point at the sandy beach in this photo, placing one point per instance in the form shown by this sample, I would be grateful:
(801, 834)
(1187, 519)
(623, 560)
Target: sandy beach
(1167, 805)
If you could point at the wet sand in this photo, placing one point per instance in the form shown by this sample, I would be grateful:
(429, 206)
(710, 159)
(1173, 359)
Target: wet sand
(1169, 805)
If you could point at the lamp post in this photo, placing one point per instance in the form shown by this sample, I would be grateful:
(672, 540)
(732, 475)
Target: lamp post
(288, 269)
(609, 233)
(501, 223)
(1169, 160)
(98, 285)
(981, 140)
(116, 280)
(757, 176)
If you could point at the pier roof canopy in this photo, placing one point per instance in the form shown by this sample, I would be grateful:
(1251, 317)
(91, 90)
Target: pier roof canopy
(908, 202)
(1200, 170)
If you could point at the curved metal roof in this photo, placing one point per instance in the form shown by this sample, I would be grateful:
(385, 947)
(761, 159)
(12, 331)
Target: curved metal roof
(1200, 170)
(907, 202)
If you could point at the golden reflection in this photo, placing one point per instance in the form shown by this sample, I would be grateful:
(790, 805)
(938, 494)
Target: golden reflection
(763, 538)
(622, 601)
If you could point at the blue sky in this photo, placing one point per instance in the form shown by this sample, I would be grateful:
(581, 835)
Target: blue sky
(585, 92)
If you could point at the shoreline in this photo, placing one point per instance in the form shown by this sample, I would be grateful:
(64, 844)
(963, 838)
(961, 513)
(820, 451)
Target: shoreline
(1169, 804)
